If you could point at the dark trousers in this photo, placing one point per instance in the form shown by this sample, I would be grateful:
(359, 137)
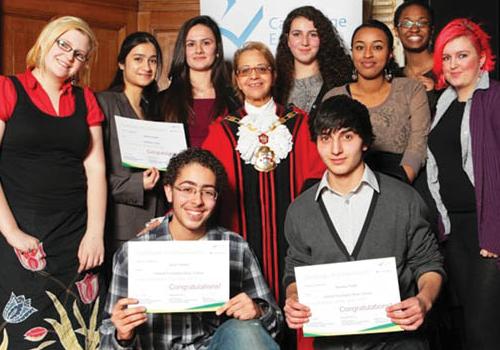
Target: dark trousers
(475, 282)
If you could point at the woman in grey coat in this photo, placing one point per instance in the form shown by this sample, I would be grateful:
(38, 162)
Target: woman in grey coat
(135, 196)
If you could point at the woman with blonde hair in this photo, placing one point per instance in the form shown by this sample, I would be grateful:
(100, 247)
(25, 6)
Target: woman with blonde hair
(52, 194)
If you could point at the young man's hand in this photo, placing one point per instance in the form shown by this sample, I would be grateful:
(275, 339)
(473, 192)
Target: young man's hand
(241, 307)
(296, 314)
(126, 319)
(408, 314)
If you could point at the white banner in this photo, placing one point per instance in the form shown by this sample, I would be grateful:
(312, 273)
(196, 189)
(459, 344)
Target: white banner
(261, 20)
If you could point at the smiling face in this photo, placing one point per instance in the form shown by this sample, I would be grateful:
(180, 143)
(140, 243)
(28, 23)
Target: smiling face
(140, 65)
(201, 48)
(342, 153)
(61, 64)
(255, 87)
(303, 41)
(370, 52)
(191, 211)
(462, 65)
(415, 38)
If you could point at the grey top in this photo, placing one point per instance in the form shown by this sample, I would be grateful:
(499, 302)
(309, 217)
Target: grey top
(304, 91)
(401, 122)
(130, 207)
(348, 212)
(394, 226)
(445, 100)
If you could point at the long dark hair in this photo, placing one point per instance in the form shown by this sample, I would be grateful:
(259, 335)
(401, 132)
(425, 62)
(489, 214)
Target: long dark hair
(391, 65)
(177, 101)
(150, 92)
(335, 64)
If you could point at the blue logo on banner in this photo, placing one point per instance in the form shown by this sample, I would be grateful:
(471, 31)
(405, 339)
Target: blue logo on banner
(239, 40)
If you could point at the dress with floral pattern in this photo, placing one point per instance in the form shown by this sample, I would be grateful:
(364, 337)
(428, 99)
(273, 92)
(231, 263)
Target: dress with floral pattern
(44, 301)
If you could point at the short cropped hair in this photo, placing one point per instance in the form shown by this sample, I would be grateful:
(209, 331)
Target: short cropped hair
(199, 156)
(342, 112)
(48, 36)
(408, 3)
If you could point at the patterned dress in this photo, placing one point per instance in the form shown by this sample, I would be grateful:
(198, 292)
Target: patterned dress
(44, 301)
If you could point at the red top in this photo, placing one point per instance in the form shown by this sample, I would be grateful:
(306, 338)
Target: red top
(39, 97)
(203, 109)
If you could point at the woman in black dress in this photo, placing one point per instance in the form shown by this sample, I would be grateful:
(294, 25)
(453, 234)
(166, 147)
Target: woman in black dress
(52, 195)
(464, 179)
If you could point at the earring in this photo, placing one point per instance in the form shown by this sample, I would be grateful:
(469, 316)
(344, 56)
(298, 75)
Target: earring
(354, 75)
(388, 74)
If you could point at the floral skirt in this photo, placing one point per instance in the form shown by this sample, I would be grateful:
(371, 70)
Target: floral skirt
(44, 301)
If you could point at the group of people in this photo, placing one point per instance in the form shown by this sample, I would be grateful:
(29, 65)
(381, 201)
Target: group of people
(311, 156)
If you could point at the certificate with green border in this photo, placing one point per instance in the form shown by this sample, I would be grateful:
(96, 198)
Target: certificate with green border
(348, 297)
(145, 144)
(179, 276)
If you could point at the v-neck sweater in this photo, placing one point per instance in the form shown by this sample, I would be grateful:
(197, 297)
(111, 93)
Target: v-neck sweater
(394, 226)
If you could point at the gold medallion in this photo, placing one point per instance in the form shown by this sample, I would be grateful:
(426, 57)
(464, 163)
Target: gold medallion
(264, 159)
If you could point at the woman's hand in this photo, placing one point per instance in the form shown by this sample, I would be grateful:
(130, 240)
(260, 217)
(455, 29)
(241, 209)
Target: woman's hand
(22, 241)
(150, 178)
(428, 82)
(90, 252)
(487, 254)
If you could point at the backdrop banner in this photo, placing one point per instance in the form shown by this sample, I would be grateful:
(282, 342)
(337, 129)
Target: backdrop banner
(261, 20)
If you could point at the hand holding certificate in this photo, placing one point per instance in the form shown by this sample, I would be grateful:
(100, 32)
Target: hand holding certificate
(348, 298)
(146, 144)
(179, 276)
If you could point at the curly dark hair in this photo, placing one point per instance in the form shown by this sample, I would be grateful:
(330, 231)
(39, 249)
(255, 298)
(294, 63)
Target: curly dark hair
(200, 156)
(335, 64)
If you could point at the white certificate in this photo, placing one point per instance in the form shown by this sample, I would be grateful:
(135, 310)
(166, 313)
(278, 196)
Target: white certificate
(348, 297)
(179, 276)
(145, 144)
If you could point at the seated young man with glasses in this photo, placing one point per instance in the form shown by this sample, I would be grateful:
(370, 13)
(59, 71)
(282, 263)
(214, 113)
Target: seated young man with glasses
(249, 320)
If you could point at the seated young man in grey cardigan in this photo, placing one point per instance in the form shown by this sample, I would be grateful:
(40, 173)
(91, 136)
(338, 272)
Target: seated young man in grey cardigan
(356, 214)
(249, 320)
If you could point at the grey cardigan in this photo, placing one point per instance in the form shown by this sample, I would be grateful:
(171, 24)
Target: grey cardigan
(395, 226)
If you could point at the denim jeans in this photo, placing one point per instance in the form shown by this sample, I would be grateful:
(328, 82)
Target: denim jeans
(242, 335)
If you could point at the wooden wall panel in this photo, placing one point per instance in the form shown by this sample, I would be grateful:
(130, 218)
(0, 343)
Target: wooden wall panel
(163, 19)
(22, 21)
(112, 21)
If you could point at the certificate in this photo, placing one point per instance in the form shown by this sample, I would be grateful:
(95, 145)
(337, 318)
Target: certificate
(349, 297)
(145, 144)
(179, 276)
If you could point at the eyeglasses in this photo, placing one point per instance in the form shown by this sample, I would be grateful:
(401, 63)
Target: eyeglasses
(66, 47)
(409, 24)
(247, 71)
(188, 192)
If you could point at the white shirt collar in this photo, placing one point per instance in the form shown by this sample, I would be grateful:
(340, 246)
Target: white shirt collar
(266, 109)
(368, 178)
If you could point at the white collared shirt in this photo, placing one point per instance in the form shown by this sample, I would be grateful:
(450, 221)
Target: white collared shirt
(348, 212)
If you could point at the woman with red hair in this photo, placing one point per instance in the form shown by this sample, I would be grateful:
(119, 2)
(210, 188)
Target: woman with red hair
(463, 172)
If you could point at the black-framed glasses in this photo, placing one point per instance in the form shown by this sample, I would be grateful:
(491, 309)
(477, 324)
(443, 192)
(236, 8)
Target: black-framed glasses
(66, 47)
(207, 194)
(247, 71)
(409, 24)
